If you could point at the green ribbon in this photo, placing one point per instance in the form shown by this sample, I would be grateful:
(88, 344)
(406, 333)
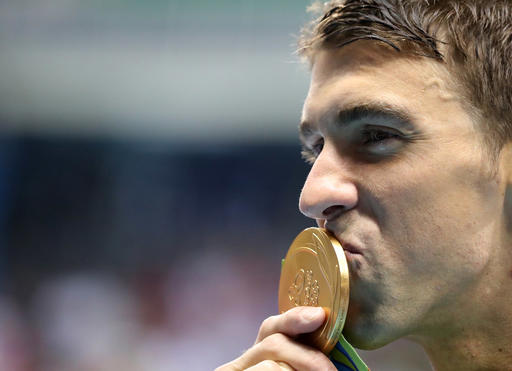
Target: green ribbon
(345, 357)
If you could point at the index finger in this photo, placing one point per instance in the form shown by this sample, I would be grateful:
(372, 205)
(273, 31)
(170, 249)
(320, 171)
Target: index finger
(296, 321)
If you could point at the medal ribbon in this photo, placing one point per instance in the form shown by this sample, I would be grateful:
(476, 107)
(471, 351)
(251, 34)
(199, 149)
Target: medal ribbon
(345, 358)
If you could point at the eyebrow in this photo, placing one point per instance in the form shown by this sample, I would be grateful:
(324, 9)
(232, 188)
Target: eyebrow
(368, 111)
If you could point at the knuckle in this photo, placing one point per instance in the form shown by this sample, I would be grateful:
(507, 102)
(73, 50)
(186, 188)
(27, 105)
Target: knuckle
(267, 327)
(294, 317)
(268, 323)
(274, 341)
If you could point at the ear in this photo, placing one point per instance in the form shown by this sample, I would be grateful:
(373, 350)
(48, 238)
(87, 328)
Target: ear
(506, 166)
(508, 208)
(506, 163)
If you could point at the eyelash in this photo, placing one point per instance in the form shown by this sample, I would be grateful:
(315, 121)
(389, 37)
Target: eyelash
(369, 137)
(310, 154)
(372, 136)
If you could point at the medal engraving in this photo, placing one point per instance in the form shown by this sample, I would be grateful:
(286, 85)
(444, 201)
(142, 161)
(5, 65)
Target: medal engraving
(304, 290)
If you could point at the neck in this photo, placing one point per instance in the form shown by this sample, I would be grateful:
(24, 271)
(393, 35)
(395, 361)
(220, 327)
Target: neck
(478, 334)
(473, 350)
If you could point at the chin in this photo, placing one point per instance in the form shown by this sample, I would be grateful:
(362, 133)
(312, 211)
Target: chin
(367, 334)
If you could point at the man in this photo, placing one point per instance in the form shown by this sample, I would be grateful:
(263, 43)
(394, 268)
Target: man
(408, 126)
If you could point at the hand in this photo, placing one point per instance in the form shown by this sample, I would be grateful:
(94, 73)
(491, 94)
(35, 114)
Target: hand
(276, 349)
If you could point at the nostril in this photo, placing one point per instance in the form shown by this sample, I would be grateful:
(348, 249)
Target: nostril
(333, 211)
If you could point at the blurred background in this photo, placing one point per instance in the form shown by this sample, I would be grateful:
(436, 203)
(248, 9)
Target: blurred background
(149, 178)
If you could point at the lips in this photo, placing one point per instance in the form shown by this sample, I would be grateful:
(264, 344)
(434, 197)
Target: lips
(346, 245)
(350, 248)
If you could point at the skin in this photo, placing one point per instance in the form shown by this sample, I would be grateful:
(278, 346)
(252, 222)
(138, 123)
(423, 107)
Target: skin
(421, 202)
(276, 349)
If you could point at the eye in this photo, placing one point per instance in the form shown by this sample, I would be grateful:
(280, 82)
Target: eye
(318, 146)
(371, 136)
(378, 142)
(309, 154)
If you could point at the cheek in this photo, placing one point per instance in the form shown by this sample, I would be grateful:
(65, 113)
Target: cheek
(437, 219)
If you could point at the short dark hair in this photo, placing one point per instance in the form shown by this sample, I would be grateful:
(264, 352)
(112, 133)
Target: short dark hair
(472, 38)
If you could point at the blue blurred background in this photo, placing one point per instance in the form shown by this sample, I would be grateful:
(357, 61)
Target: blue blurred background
(149, 178)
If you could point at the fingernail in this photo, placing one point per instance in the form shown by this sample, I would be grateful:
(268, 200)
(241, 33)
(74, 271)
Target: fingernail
(313, 313)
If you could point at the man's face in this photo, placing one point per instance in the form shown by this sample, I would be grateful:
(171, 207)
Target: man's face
(401, 178)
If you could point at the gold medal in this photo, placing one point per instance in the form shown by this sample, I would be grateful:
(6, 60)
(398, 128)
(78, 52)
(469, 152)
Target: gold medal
(315, 273)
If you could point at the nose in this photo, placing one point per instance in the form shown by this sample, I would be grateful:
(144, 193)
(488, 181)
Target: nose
(329, 190)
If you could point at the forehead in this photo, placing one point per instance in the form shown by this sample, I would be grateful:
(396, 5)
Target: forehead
(365, 72)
